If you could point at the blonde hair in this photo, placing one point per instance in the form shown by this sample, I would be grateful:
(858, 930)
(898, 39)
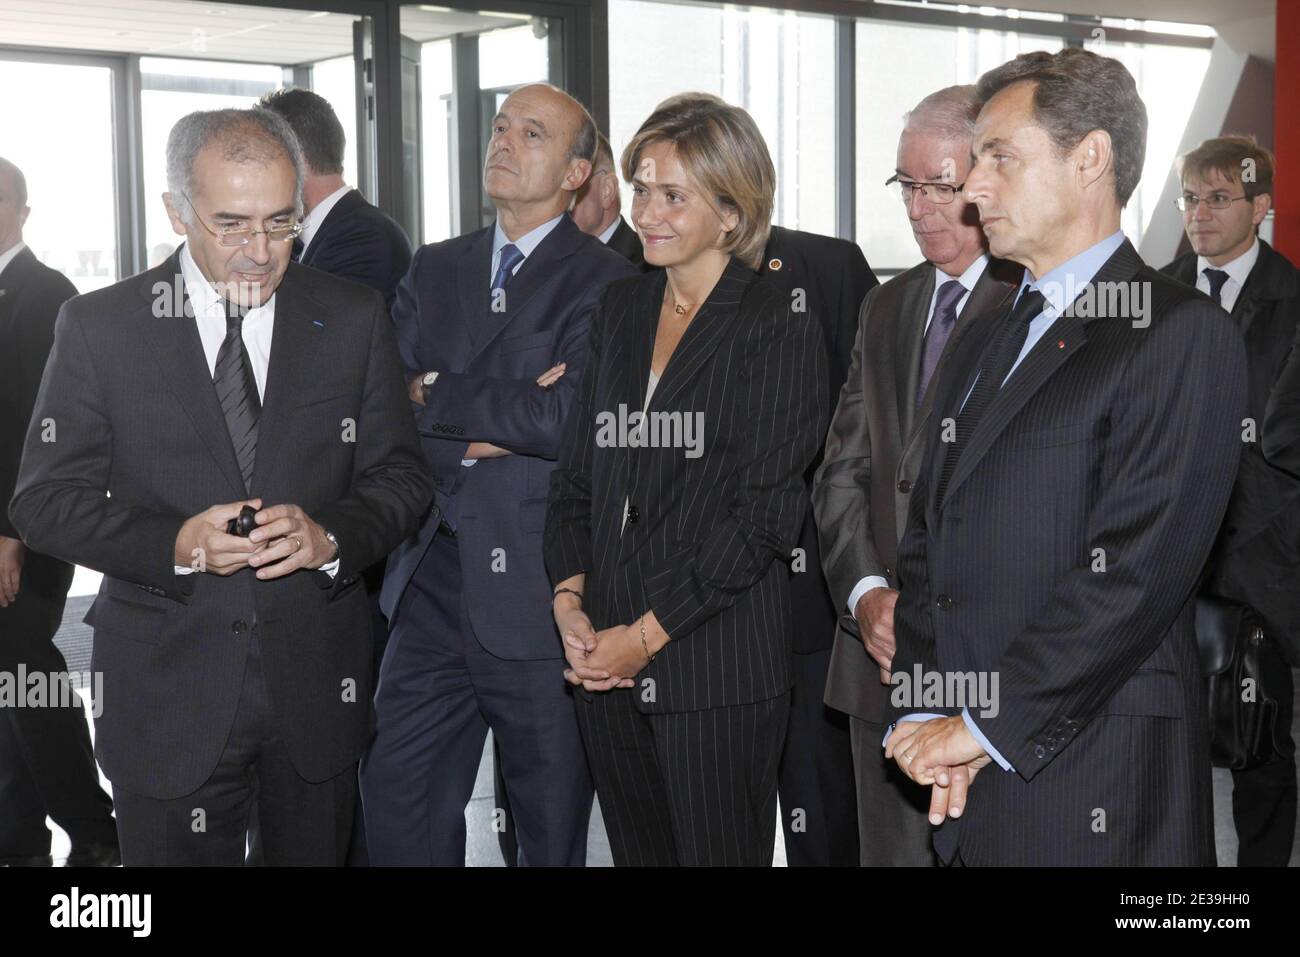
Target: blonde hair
(723, 152)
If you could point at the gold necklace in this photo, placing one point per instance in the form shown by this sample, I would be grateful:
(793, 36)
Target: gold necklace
(678, 308)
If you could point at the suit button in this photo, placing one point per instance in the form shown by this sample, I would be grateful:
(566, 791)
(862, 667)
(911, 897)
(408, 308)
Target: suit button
(238, 627)
(633, 514)
(1039, 751)
(888, 572)
(905, 486)
(944, 602)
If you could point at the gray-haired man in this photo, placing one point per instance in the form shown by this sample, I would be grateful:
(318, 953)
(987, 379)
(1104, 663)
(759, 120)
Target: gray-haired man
(236, 667)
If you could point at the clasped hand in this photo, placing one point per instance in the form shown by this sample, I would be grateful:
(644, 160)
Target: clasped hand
(942, 753)
(599, 660)
(285, 540)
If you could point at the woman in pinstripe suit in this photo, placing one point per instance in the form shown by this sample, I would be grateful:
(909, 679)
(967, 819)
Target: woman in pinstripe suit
(679, 495)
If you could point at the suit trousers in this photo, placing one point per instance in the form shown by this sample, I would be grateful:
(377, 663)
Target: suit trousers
(1264, 798)
(297, 822)
(818, 795)
(439, 692)
(892, 824)
(689, 788)
(47, 766)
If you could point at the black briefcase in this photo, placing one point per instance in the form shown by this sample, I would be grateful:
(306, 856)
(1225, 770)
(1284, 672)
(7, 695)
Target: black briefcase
(1239, 660)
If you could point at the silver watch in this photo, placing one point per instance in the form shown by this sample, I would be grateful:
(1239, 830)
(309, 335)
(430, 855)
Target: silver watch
(335, 542)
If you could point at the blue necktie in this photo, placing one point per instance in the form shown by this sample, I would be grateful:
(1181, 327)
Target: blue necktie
(510, 257)
(1216, 277)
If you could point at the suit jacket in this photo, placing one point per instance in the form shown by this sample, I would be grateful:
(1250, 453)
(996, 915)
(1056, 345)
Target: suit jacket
(627, 244)
(1256, 557)
(1065, 561)
(486, 391)
(873, 453)
(357, 241)
(30, 296)
(829, 278)
(142, 445)
(710, 523)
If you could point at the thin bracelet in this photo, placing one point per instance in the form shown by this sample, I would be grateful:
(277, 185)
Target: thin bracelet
(644, 646)
(560, 591)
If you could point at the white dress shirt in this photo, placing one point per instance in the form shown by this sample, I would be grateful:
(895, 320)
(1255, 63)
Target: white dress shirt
(8, 255)
(1237, 271)
(968, 279)
(210, 317)
(311, 222)
(608, 234)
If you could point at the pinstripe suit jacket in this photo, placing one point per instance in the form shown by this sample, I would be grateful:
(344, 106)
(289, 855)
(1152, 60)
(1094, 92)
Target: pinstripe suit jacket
(1064, 559)
(711, 533)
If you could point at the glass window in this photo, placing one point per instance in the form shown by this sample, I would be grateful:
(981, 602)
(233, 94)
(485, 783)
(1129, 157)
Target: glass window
(336, 80)
(436, 89)
(65, 151)
(777, 64)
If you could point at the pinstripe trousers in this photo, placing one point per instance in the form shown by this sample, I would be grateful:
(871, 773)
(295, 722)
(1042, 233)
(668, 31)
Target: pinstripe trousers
(689, 788)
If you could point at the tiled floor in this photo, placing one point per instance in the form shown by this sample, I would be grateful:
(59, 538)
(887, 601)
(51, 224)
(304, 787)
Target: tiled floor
(481, 845)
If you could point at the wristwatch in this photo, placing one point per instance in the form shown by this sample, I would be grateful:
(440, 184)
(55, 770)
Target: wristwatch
(427, 382)
(329, 536)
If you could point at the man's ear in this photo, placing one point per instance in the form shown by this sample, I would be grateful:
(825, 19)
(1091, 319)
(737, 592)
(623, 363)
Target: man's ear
(22, 216)
(1260, 203)
(609, 197)
(178, 224)
(579, 172)
(1094, 156)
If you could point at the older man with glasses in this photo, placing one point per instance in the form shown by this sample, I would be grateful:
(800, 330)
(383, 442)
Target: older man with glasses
(233, 447)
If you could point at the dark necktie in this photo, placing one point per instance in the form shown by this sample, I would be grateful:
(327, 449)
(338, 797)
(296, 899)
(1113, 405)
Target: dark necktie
(296, 254)
(510, 257)
(936, 337)
(1216, 278)
(997, 365)
(237, 392)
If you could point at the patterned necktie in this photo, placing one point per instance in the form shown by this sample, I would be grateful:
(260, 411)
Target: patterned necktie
(993, 371)
(936, 337)
(1216, 278)
(510, 257)
(237, 392)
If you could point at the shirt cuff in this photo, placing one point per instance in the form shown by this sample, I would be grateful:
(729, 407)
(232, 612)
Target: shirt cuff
(330, 568)
(984, 742)
(468, 462)
(861, 588)
(919, 716)
(183, 570)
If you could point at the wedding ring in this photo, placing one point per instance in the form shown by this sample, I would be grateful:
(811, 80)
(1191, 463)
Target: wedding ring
(297, 542)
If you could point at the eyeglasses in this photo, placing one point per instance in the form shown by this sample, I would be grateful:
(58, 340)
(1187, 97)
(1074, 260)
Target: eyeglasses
(230, 235)
(941, 193)
(1214, 201)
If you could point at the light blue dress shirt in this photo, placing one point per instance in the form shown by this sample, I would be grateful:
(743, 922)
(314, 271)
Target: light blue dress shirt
(1059, 287)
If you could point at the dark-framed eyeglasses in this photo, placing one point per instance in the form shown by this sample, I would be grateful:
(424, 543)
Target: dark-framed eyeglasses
(1214, 201)
(940, 193)
(232, 235)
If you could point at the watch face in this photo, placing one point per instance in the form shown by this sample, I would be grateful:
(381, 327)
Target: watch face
(429, 377)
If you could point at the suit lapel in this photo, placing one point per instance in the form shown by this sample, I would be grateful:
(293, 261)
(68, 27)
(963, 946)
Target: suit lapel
(641, 353)
(291, 369)
(166, 321)
(473, 279)
(1060, 341)
(909, 345)
(704, 333)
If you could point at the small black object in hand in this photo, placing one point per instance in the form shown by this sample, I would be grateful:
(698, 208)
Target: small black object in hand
(244, 524)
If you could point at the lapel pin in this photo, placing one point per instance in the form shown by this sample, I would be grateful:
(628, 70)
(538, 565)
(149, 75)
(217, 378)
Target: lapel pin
(317, 322)
(1060, 343)
(774, 264)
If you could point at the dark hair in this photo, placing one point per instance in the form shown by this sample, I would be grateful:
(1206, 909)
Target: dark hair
(604, 154)
(20, 181)
(1228, 156)
(585, 139)
(319, 131)
(1075, 92)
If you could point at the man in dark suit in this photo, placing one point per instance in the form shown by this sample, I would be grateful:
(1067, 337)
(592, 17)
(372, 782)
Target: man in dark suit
(1075, 475)
(874, 446)
(1257, 557)
(598, 208)
(493, 332)
(827, 278)
(46, 764)
(236, 667)
(342, 234)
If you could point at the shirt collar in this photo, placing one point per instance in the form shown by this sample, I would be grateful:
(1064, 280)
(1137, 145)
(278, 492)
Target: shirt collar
(528, 241)
(1062, 285)
(969, 278)
(1238, 269)
(203, 296)
(609, 230)
(311, 222)
(10, 254)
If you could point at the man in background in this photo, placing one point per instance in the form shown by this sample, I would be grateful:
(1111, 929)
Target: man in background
(46, 763)
(597, 209)
(1227, 190)
(874, 446)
